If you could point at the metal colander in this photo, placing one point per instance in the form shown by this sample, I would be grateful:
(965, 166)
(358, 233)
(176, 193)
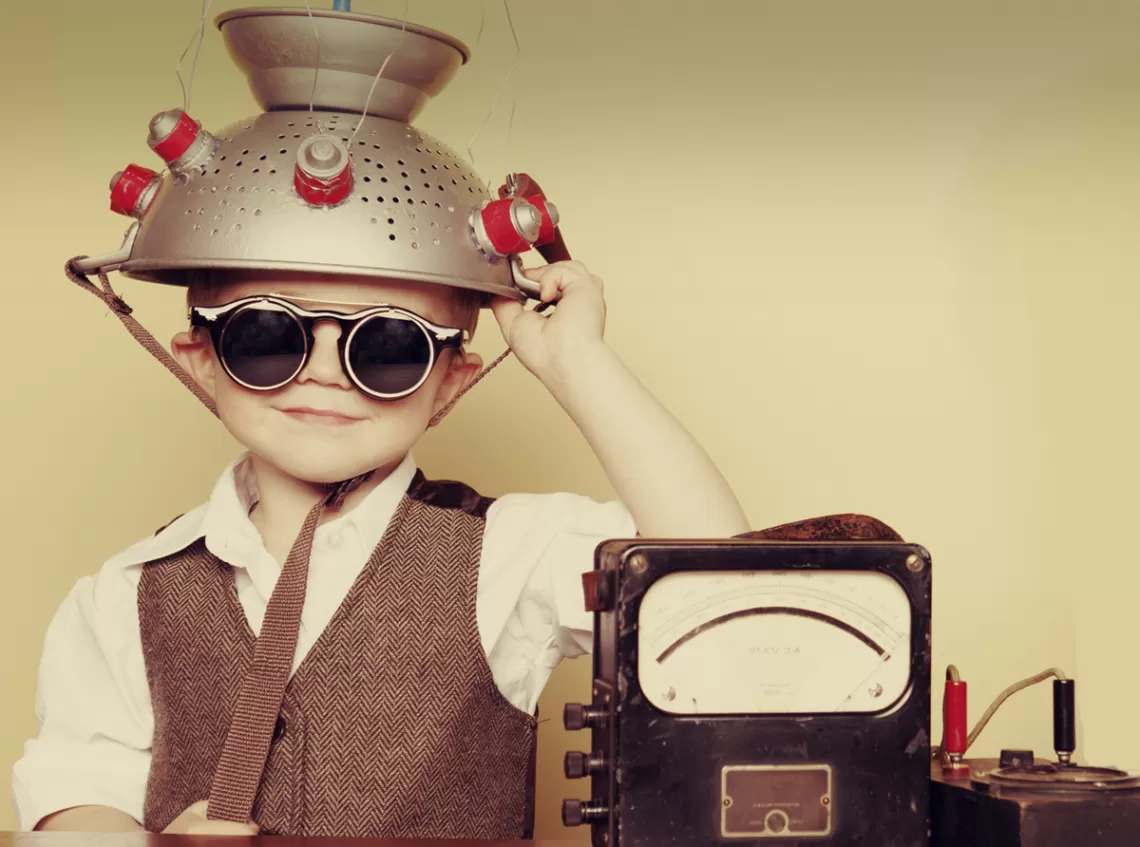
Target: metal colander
(408, 214)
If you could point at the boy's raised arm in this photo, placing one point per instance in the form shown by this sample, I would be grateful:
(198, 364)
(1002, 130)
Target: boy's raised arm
(666, 480)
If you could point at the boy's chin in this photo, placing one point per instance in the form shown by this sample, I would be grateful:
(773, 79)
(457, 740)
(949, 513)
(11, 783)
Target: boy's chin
(326, 473)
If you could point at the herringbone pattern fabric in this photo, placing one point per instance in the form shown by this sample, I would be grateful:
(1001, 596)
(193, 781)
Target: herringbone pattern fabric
(392, 726)
(197, 648)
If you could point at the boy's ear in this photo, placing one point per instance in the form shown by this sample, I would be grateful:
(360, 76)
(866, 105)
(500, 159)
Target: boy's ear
(195, 352)
(461, 371)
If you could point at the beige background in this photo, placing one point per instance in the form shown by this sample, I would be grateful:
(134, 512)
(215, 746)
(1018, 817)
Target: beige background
(877, 256)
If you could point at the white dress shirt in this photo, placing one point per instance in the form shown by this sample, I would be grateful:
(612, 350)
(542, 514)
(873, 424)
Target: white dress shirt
(93, 702)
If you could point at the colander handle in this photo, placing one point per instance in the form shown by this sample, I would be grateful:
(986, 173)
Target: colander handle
(527, 286)
(110, 261)
(94, 264)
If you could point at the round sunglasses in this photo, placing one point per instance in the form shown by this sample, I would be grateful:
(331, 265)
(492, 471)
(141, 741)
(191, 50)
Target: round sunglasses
(263, 342)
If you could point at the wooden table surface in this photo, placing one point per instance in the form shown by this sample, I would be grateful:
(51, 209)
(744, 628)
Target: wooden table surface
(106, 839)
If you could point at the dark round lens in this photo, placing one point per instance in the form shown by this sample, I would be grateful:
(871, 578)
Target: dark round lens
(389, 355)
(263, 346)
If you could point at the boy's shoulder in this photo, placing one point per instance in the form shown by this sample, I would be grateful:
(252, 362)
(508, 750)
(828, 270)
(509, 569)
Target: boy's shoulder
(168, 539)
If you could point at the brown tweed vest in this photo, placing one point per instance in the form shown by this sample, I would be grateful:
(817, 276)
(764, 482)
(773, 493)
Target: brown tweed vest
(392, 726)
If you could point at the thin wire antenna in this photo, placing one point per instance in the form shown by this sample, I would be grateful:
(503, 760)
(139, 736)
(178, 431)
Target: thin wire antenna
(199, 34)
(482, 23)
(380, 73)
(317, 63)
(501, 88)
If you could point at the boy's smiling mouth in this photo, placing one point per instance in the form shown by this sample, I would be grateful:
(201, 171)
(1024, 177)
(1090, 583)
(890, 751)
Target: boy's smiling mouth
(314, 415)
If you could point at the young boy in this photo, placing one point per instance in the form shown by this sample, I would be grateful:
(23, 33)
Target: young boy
(333, 645)
(409, 662)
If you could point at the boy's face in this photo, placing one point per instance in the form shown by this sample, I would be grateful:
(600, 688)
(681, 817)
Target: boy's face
(319, 428)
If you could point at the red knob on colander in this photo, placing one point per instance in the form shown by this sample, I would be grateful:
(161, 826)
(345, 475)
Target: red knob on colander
(180, 140)
(133, 190)
(549, 214)
(521, 185)
(323, 173)
(506, 226)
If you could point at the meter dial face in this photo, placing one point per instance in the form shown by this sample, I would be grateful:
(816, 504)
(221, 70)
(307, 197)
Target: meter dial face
(778, 642)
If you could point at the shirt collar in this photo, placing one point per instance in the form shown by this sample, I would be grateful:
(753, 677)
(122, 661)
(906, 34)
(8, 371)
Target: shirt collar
(223, 521)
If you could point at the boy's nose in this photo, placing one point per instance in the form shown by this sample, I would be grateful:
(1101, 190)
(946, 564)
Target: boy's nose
(324, 361)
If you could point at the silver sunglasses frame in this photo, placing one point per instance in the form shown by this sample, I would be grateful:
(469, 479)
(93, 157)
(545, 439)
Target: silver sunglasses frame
(439, 337)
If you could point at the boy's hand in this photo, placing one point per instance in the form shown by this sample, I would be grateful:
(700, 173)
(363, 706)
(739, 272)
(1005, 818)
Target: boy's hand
(544, 344)
(194, 822)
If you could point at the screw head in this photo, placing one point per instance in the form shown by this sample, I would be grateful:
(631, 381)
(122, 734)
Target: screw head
(914, 564)
(638, 563)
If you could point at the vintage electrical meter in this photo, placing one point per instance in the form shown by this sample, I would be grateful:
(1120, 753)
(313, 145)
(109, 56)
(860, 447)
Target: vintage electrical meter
(750, 691)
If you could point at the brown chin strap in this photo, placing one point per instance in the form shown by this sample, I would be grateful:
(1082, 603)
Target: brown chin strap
(240, 768)
(122, 311)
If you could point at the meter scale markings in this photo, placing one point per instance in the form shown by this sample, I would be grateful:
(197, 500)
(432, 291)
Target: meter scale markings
(774, 641)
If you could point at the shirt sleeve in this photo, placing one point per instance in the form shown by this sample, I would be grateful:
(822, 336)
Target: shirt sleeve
(92, 707)
(531, 606)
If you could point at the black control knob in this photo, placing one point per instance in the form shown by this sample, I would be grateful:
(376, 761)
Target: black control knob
(576, 716)
(578, 765)
(579, 812)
